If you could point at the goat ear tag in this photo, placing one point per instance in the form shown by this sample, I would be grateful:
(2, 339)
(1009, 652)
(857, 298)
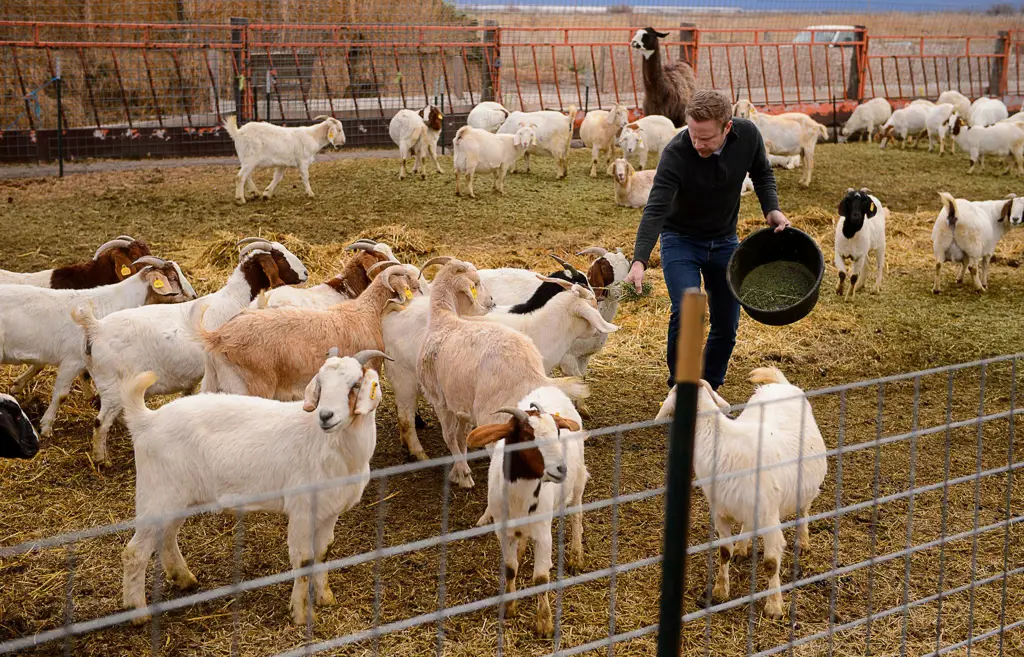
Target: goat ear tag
(125, 271)
(330, 134)
(872, 208)
(158, 284)
(373, 390)
(408, 293)
(472, 291)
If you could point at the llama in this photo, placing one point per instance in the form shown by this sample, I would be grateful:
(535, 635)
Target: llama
(667, 89)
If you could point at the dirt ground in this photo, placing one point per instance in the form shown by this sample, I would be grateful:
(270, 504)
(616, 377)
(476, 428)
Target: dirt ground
(188, 214)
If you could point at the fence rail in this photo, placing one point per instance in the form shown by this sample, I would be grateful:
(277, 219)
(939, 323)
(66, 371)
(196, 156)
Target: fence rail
(137, 89)
(914, 540)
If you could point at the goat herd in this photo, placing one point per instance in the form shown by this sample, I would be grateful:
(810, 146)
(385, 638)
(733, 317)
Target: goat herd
(297, 368)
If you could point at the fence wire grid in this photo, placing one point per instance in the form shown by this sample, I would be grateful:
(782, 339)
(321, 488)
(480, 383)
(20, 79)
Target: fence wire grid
(915, 547)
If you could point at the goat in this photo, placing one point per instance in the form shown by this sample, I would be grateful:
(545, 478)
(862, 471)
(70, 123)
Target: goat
(554, 135)
(157, 338)
(18, 438)
(598, 132)
(632, 187)
(487, 115)
(479, 151)
(260, 144)
(867, 117)
(860, 231)
(968, 232)
(1002, 138)
(212, 448)
(416, 133)
(112, 263)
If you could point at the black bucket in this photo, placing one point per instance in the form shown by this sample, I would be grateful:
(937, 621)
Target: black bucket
(764, 246)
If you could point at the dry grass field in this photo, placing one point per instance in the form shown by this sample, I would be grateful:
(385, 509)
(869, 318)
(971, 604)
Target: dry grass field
(189, 215)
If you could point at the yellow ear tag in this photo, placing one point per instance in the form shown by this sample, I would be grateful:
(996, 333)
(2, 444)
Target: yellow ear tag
(330, 134)
(157, 284)
(408, 293)
(373, 391)
(472, 290)
(872, 207)
(125, 271)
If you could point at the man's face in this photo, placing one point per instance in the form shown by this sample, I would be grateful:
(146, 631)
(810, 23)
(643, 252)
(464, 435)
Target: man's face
(707, 136)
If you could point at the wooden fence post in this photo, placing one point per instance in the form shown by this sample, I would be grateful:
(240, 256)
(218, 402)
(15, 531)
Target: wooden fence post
(858, 61)
(687, 43)
(998, 68)
(490, 63)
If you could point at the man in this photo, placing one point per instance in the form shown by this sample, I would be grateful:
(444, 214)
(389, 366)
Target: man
(694, 206)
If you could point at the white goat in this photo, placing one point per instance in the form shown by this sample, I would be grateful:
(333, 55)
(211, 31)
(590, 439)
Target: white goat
(554, 135)
(632, 187)
(646, 135)
(1017, 118)
(968, 232)
(769, 459)
(860, 231)
(542, 486)
(790, 135)
(598, 132)
(909, 121)
(867, 117)
(261, 144)
(479, 151)
(416, 133)
(159, 338)
(487, 115)
(986, 111)
(1002, 139)
(218, 448)
(937, 125)
(961, 103)
(36, 325)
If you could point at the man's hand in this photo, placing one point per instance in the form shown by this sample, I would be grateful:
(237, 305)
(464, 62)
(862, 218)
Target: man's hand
(777, 219)
(636, 277)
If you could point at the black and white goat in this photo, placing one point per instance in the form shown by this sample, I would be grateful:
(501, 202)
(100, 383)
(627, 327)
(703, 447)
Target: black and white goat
(859, 232)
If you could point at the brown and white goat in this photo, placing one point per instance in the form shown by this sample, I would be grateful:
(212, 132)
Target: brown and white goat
(467, 368)
(274, 353)
(112, 263)
(356, 275)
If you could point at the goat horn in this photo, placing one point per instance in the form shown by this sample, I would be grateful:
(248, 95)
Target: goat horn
(332, 352)
(366, 355)
(537, 407)
(378, 265)
(360, 246)
(1011, 195)
(565, 284)
(439, 260)
(150, 261)
(125, 237)
(249, 240)
(594, 250)
(112, 244)
(363, 240)
(518, 413)
(575, 272)
(865, 190)
(255, 246)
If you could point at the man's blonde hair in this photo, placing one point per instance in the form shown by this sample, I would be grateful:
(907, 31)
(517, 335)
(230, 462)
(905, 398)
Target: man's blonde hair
(709, 105)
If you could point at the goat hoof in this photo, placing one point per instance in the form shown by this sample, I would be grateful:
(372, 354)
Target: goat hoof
(584, 412)
(141, 620)
(511, 609)
(575, 560)
(240, 201)
(326, 598)
(545, 627)
(302, 614)
(184, 581)
(773, 607)
(463, 479)
(720, 593)
(485, 519)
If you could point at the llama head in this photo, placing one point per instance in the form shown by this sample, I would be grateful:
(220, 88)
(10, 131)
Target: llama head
(646, 41)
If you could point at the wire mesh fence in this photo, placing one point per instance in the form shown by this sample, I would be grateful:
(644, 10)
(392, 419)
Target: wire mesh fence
(913, 546)
(147, 88)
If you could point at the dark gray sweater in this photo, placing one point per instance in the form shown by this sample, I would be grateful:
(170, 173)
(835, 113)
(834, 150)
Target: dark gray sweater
(700, 197)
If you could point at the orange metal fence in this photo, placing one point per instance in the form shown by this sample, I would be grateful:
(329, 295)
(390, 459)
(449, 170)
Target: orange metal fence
(151, 89)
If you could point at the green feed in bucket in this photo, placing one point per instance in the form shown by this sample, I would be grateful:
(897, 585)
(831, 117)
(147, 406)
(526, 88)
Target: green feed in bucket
(776, 285)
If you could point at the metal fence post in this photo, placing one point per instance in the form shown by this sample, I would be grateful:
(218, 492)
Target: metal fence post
(239, 27)
(689, 368)
(687, 41)
(998, 68)
(58, 83)
(855, 85)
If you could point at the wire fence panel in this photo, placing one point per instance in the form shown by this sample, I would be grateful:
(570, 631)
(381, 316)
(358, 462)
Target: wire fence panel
(912, 546)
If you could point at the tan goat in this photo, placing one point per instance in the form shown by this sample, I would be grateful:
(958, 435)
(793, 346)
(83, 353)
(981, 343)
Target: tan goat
(468, 369)
(274, 353)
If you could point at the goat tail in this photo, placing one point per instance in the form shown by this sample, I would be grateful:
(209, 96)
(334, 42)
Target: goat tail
(231, 125)
(85, 318)
(573, 386)
(460, 134)
(823, 130)
(768, 375)
(133, 397)
(573, 112)
(949, 205)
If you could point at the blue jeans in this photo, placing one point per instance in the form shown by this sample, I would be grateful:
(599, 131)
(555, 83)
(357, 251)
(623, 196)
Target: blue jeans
(684, 260)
